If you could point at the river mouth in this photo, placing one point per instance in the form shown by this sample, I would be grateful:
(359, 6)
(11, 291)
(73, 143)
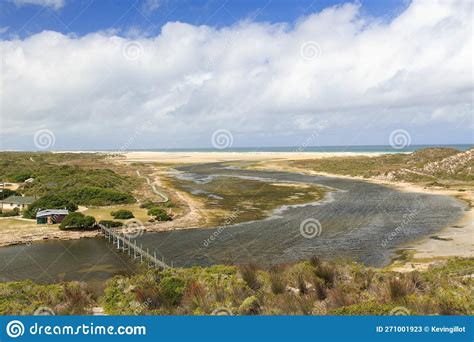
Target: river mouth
(364, 222)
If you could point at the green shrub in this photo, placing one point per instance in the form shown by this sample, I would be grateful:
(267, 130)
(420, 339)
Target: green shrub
(172, 290)
(453, 303)
(77, 221)
(249, 275)
(10, 213)
(49, 202)
(326, 273)
(365, 308)
(25, 297)
(398, 288)
(159, 214)
(19, 176)
(250, 306)
(122, 214)
(110, 224)
(89, 195)
(5, 193)
(277, 280)
(147, 205)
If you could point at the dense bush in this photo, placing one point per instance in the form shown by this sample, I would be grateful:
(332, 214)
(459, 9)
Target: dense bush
(10, 213)
(98, 196)
(25, 297)
(172, 290)
(304, 288)
(5, 193)
(147, 205)
(159, 214)
(49, 202)
(77, 177)
(19, 176)
(122, 214)
(110, 224)
(77, 221)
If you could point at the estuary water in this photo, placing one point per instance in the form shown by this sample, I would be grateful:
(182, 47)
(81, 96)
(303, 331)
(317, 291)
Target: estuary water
(358, 220)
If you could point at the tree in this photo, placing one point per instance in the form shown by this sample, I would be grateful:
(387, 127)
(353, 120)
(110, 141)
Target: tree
(159, 214)
(122, 214)
(77, 221)
(110, 224)
(5, 193)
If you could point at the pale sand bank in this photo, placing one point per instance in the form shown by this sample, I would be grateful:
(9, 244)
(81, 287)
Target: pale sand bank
(209, 157)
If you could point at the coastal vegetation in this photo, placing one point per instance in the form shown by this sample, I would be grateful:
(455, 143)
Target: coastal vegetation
(313, 287)
(28, 298)
(435, 166)
(10, 213)
(122, 214)
(5, 193)
(78, 178)
(111, 224)
(77, 221)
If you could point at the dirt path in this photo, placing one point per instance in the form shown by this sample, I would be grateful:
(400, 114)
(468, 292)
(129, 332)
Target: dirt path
(164, 198)
(193, 217)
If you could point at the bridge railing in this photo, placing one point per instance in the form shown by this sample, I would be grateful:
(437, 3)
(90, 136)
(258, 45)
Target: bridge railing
(126, 244)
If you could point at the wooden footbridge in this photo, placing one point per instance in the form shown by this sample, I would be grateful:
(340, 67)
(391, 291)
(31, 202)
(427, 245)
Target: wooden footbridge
(126, 244)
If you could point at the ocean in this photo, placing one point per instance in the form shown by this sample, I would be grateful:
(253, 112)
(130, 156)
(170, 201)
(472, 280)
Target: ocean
(372, 148)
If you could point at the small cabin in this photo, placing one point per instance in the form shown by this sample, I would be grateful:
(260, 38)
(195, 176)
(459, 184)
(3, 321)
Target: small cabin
(20, 202)
(51, 216)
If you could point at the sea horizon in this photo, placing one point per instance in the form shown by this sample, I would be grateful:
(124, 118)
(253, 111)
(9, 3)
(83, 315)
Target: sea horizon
(285, 149)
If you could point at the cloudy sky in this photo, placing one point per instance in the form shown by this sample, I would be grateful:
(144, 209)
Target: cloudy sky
(169, 74)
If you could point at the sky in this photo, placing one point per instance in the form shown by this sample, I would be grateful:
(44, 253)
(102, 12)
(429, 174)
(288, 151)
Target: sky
(159, 74)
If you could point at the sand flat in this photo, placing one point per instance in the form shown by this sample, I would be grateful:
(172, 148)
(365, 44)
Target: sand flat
(210, 157)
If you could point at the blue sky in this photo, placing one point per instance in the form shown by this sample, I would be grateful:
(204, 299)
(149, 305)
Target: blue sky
(170, 74)
(84, 16)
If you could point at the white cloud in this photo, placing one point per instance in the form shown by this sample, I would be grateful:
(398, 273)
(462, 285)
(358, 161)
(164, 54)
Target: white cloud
(370, 77)
(55, 4)
(150, 6)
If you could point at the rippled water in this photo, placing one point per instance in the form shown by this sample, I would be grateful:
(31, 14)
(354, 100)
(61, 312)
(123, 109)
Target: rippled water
(363, 221)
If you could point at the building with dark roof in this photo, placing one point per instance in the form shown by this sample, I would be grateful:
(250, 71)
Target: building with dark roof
(51, 216)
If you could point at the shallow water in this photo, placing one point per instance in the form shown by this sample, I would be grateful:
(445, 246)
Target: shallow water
(363, 221)
(90, 260)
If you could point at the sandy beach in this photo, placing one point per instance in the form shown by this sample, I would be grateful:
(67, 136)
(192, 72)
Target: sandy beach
(211, 157)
